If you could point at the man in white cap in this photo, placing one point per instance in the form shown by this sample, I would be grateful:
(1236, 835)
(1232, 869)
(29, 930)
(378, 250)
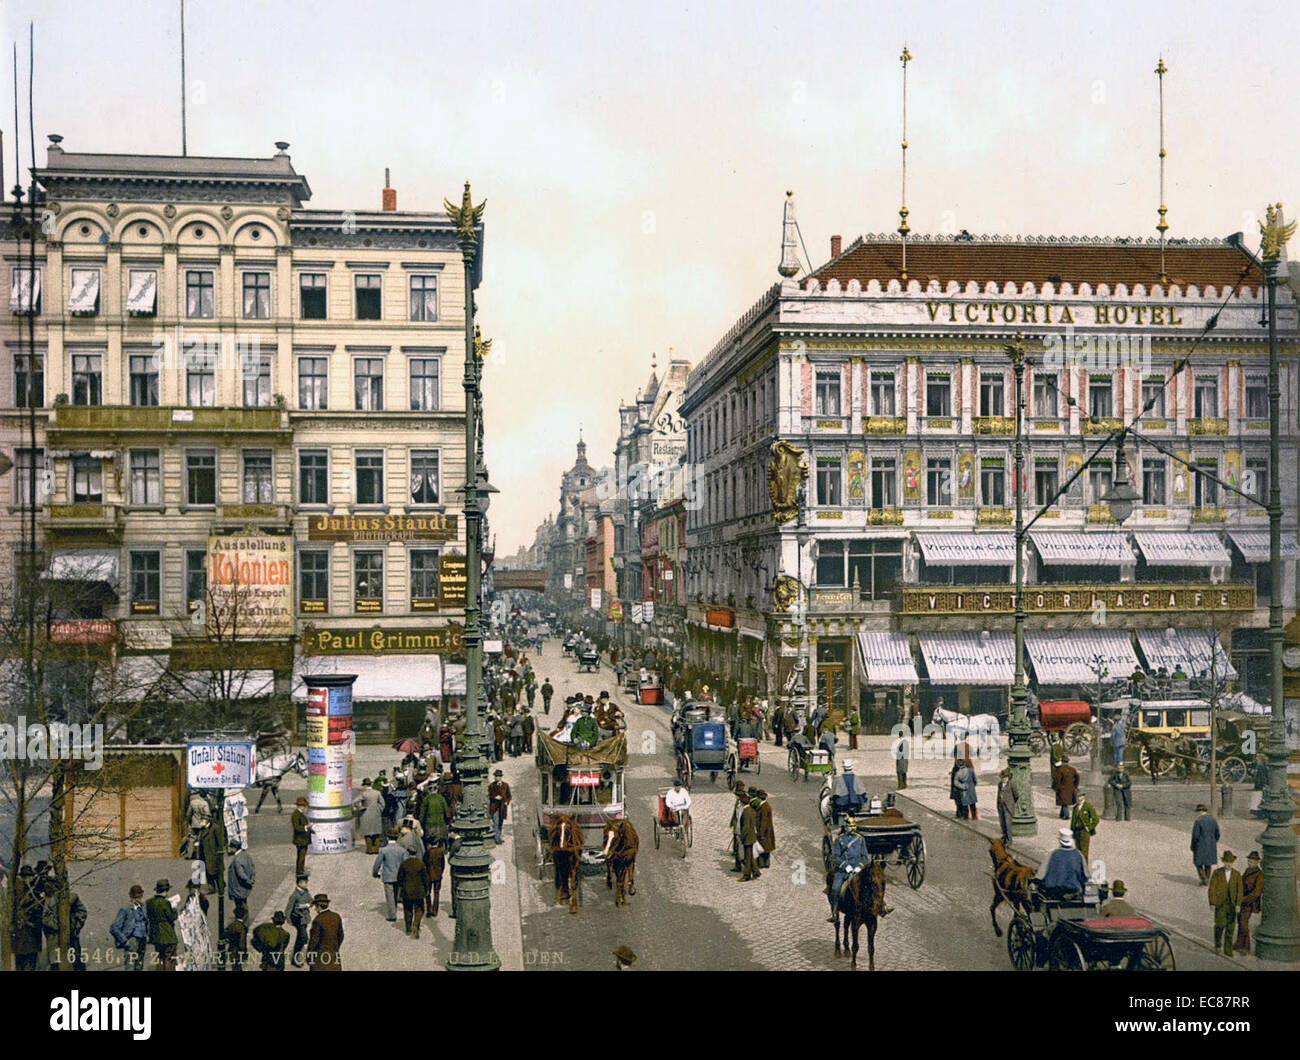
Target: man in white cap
(846, 795)
(1065, 871)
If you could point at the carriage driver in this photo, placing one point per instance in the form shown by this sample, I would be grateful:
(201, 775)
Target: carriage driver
(586, 730)
(848, 855)
(677, 801)
(846, 795)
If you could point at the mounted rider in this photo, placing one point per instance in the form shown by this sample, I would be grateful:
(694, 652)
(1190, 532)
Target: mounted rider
(849, 855)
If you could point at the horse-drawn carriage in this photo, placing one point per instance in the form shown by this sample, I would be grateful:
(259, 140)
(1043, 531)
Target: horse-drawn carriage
(674, 824)
(802, 758)
(588, 659)
(742, 756)
(889, 837)
(1070, 934)
(1067, 721)
(701, 742)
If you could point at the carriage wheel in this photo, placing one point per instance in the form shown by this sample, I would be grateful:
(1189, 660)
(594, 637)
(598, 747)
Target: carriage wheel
(656, 833)
(731, 772)
(792, 763)
(758, 767)
(1078, 739)
(1157, 956)
(1064, 955)
(1145, 761)
(1232, 770)
(541, 853)
(826, 852)
(1020, 943)
(916, 862)
(1037, 742)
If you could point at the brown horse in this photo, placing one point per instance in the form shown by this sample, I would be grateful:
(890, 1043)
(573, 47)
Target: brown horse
(619, 851)
(1010, 882)
(565, 840)
(862, 901)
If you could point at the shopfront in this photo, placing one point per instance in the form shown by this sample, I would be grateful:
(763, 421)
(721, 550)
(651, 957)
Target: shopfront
(968, 672)
(887, 676)
(1070, 663)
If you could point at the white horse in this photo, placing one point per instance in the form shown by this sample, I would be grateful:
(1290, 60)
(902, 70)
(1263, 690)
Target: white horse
(984, 727)
(271, 770)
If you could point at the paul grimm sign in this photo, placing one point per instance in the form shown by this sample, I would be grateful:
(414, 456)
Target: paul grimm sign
(1080, 599)
(416, 640)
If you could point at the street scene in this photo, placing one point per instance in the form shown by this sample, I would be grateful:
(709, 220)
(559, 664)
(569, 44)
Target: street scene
(607, 498)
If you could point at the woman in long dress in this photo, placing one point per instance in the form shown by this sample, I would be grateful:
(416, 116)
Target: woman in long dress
(192, 925)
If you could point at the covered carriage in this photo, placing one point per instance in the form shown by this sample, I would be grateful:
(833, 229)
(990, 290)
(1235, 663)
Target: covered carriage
(701, 741)
(1068, 721)
(586, 785)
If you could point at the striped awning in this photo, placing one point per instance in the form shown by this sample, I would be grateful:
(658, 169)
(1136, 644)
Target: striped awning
(1165, 549)
(1105, 548)
(887, 659)
(390, 678)
(1194, 650)
(142, 294)
(84, 293)
(993, 549)
(1072, 657)
(1253, 545)
(987, 658)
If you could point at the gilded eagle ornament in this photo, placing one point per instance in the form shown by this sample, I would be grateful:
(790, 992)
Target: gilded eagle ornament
(1275, 234)
(482, 346)
(785, 591)
(466, 216)
(786, 471)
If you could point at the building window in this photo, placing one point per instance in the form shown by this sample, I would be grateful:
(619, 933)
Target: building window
(1153, 397)
(884, 484)
(992, 396)
(875, 567)
(424, 579)
(424, 384)
(144, 379)
(142, 293)
(938, 481)
(828, 481)
(1045, 391)
(1047, 478)
(1206, 398)
(938, 394)
(1099, 483)
(1153, 480)
(425, 487)
(24, 291)
(369, 288)
(257, 296)
(83, 292)
(201, 478)
(993, 482)
(200, 294)
(368, 375)
(1257, 397)
(87, 480)
(1256, 482)
(200, 376)
(22, 472)
(1207, 490)
(312, 295)
(314, 581)
(1101, 403)
(313, 476)
(146, 582)
(827, 395)
(146, 477)
(424, 297)
(882, 393)
(368, 581)
(313, 383)
(87, 378)
(370, 476)
(196, 578)
(257, 382)
(259, 477)
(29, 381)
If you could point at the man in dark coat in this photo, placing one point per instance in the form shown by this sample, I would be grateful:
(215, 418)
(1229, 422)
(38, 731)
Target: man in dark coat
(27, 940)
(298, 912)
(748, 837)
(1205, 843)
(271, 941)
(1225, 894)
(766, 829)
(412, 886)
(233, 944)
(130, 930)
(499, 799)
(548, 690)
(1065, 782)
(435, 861)
(1121, 792)
(1006, 804)
(301, 834)
(435, 816)
(162, 927)
(1252, 896)
(530, 727)
(241, 875)
(326, 938)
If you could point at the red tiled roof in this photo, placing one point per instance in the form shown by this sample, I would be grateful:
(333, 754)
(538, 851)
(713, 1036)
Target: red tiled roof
(1109, 262)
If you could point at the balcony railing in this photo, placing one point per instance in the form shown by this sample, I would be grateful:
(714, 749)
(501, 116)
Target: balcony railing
(995, 517)
(995, 425)
(1208, 427)
(885, 425)
(155, 418)
(83, 515)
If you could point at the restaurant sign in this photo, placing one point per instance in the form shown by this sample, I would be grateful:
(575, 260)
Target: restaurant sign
(437, 526)
(414, 640)
(83, 631)
(1080, 599)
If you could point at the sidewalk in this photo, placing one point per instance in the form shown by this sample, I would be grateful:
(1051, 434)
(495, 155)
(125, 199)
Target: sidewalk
(1150, 853)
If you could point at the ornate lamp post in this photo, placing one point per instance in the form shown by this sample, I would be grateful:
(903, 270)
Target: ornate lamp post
(472, 948)
(1023, 820)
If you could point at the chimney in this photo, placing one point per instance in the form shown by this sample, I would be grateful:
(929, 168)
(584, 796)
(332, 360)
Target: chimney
(836, 244)
(390, 195)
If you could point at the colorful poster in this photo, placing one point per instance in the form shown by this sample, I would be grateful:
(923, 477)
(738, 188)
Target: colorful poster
(250, 587)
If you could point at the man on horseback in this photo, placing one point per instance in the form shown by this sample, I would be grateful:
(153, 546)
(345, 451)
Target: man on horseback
(848, 855)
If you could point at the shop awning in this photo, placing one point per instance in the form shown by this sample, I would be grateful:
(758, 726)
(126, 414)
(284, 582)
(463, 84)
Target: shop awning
(1181, 550)
(455, 681)
(391, 678)
(85, 291)
(1253, 545)
(1070, 657)
(142, 295)
(84, 565)
(987, 658)
(887, 659)
(968, 550)
(1103, 548)
(1192, 649)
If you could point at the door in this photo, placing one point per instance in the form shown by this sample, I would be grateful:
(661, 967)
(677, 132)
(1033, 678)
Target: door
(831, 681)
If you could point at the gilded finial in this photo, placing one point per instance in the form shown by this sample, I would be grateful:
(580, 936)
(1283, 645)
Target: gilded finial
(1275, 233)
(903, 227)
(789, 267)
(482, 346)
(906, 57)
(1162, 226)
(466, 216)
(1161, 68)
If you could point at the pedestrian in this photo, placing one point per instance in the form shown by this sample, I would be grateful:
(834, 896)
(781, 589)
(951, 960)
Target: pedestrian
(516, 736)
(412, 887)
(1083, 824)
(623, 958)
(410, 838)
(1205, 843)
(298, 913)
(271, 941)
(192, 925)
(130, 930)
(854, 725)
(498, 804)
(368, 807)
(1006, 804)
(966, 781)
(161, 914)
(548, 690)
(499, 734)
(1252, 897)
(387, 862)
(748, 837)
(902, 752)
(742, 798)
(954, 789)
(1116, 904)
(435, 816)
(240, 875)
(1225, 894)
(28, 937)
(1121, 792)
(1118, 740)
(530, 726)
(77, 916)
(1065, 783)
(435, 861)
(766, 830)
(301, 833)
(326, 938)
(232, 947)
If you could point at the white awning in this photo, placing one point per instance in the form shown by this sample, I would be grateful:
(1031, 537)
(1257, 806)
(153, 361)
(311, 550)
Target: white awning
(1253, 545)
(142, 295)
(1181, 550)
(1071, 657)
(21, 296)
(455, 680)
(379, 677)
(1192, 649)
(969, 658)
(84, 565)
(968, 550)
(1103, 548)
(85, 291)
(887, 659)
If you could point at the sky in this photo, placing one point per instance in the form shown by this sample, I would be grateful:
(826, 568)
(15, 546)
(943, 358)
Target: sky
(635, 158)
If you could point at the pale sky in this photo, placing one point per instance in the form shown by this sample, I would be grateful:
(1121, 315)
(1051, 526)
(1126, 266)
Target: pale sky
(635, 161)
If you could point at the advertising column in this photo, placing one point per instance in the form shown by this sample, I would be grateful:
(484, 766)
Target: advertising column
(329, 762)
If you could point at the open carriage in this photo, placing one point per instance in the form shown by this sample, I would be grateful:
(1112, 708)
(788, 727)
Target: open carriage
(889, 837)
(1071, 935)
(584, 785)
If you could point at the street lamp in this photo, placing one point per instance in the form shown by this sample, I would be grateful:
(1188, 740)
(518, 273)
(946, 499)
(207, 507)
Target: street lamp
(1121, 497)
(1023, 819)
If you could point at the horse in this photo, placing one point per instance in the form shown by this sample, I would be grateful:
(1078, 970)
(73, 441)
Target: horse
(862, 901)
(1010, 882)
(983, 727)
(565, 841)
(270, 771)
(619, 851)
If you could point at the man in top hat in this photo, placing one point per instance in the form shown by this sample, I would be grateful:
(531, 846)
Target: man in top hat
(498, 803)
(1205, 843)
(298, 912)
(623, 958)
(326, 937)
(301, 833)
(1252, 896)
(1225, 898)
(162, 926)
(1065, 872)
(847, 795)
(766, 829)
